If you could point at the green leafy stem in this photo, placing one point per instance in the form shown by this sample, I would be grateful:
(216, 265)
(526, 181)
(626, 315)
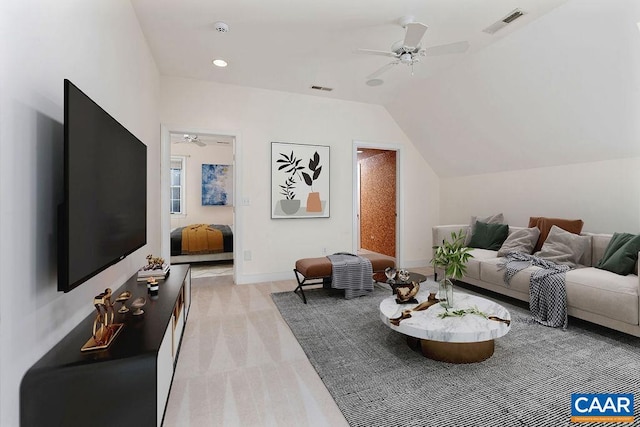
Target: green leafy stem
(462, 312)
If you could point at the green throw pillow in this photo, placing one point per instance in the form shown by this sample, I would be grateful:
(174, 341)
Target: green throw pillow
(489, 236)
(621, 254)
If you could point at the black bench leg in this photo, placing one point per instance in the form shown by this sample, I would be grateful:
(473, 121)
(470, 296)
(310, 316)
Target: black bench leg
(300, 283)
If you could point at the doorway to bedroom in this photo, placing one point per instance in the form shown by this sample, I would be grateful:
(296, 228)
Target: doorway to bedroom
(201, 205)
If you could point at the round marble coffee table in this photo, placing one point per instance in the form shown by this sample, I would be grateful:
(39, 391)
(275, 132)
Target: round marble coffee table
(465, 339)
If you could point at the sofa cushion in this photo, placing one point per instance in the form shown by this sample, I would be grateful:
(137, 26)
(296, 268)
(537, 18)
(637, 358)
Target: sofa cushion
(490, 271)
(473, 264)
(621, 254)
(604, 293)
(489, 236)
(545, 224)
(562, 247)
(491, 219)
(523, 240)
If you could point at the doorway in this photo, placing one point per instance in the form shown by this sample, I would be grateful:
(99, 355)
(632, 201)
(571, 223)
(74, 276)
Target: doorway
(377, 199)
(186, 155)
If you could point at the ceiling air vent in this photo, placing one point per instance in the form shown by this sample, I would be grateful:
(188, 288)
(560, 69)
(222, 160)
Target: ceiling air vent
(327, 89)
(517, 13)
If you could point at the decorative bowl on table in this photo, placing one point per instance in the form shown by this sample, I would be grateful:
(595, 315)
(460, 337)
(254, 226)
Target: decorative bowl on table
(390, 272)
(403, 275)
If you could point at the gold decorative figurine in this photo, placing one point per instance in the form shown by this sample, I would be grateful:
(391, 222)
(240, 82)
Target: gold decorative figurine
(104, 330)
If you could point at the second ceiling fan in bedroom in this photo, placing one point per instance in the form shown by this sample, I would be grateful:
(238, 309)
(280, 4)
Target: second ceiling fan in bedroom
(192, 139)
(409, 51)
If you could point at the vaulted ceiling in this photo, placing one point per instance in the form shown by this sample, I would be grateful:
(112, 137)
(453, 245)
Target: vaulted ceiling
(556, 86)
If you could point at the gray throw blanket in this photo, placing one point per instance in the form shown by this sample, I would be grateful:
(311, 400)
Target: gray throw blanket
(352, 273)
(547, 292)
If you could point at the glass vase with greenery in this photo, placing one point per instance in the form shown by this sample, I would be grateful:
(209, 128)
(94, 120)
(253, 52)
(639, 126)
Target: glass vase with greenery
(451, 257)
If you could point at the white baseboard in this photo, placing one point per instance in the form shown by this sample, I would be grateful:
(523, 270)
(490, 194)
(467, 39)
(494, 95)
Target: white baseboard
(416, 263)
(245, 279)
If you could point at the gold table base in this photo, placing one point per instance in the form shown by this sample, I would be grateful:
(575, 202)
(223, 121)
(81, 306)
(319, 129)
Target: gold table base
(454, 352)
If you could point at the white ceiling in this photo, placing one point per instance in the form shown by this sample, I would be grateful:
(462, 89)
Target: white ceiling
(292, 45)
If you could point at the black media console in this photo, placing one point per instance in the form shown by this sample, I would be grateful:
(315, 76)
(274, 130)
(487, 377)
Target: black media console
(125, 385)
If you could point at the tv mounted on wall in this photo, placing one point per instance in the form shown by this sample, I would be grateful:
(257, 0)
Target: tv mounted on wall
(103, 217)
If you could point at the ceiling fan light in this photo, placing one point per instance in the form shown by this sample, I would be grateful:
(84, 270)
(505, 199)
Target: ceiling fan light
(220, 63)
(406, 58)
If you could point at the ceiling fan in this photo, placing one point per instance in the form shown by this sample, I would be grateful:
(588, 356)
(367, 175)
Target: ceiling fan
(191, 139)
(409, 50)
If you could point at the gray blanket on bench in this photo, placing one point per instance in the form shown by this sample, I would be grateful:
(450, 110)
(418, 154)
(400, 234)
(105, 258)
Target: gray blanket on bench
(352, 273)
(547, 291)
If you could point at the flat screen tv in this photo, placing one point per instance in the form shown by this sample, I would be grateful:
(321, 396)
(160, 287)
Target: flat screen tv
(103, 217)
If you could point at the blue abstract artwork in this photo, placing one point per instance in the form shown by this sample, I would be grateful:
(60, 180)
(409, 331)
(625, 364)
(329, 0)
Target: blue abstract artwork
(217, 185)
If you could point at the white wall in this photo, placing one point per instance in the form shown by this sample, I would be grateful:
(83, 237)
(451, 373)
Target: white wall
(98, 45)
(604, 195)
(195, 157)
(259, 117)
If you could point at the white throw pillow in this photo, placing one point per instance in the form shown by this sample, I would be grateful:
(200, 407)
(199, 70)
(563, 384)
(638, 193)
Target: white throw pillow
(520, 241)
(563, 247)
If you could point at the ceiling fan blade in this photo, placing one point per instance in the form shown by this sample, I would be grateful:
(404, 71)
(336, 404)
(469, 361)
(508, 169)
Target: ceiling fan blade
(415, 31)
(376, 52)
(382, 70)
(199, 143)
(446, 49)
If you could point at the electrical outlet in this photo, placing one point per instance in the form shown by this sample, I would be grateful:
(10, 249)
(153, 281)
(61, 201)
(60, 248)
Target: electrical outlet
(246, 201)
(247, 255)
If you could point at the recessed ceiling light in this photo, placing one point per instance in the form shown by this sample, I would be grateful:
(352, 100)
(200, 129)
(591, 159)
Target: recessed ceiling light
(220, 63)
(375, 82)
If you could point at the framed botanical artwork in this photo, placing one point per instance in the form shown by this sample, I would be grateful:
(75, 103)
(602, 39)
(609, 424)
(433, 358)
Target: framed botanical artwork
(299, 180)
(217, 185)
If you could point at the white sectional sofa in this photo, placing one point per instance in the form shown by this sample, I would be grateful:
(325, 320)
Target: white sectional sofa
(595, 295)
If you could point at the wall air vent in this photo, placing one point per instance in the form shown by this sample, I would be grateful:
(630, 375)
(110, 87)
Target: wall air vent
(327, 89)
(491, 29)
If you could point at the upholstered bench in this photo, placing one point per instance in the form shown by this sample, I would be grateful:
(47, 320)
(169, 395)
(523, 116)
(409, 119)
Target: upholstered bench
(317, 271)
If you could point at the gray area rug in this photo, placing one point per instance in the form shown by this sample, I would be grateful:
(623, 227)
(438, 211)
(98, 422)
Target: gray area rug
(377, 380)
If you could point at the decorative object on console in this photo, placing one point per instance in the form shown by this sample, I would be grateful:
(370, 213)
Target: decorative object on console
(152, 284)
(156, 267)
(137, 305)
(289, 166)
(104, 330)
(452, 257)
(154, 263)
(217, 185)
(122, 298)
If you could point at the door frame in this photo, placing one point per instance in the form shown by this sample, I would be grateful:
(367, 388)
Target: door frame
(356, 144)
(165, 166)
